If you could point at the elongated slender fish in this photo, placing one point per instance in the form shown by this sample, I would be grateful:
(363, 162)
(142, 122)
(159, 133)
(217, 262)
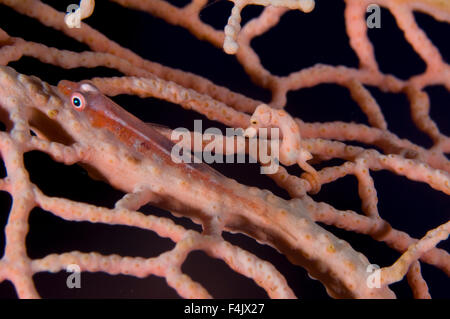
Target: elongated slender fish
(102, 112)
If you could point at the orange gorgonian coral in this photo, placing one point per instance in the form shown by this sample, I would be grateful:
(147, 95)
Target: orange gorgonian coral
(149, 217)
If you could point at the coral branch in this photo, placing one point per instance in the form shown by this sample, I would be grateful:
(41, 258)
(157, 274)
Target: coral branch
(40, 117)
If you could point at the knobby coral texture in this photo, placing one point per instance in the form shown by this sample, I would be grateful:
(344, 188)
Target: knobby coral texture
(366, 110)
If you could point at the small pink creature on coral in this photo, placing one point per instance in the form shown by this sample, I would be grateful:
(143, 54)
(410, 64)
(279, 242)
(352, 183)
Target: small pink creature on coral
(291, 151)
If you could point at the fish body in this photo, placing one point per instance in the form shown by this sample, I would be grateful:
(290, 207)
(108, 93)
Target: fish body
(102, 112)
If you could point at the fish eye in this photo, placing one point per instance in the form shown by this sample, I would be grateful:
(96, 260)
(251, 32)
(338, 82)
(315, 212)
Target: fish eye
(78, 101)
